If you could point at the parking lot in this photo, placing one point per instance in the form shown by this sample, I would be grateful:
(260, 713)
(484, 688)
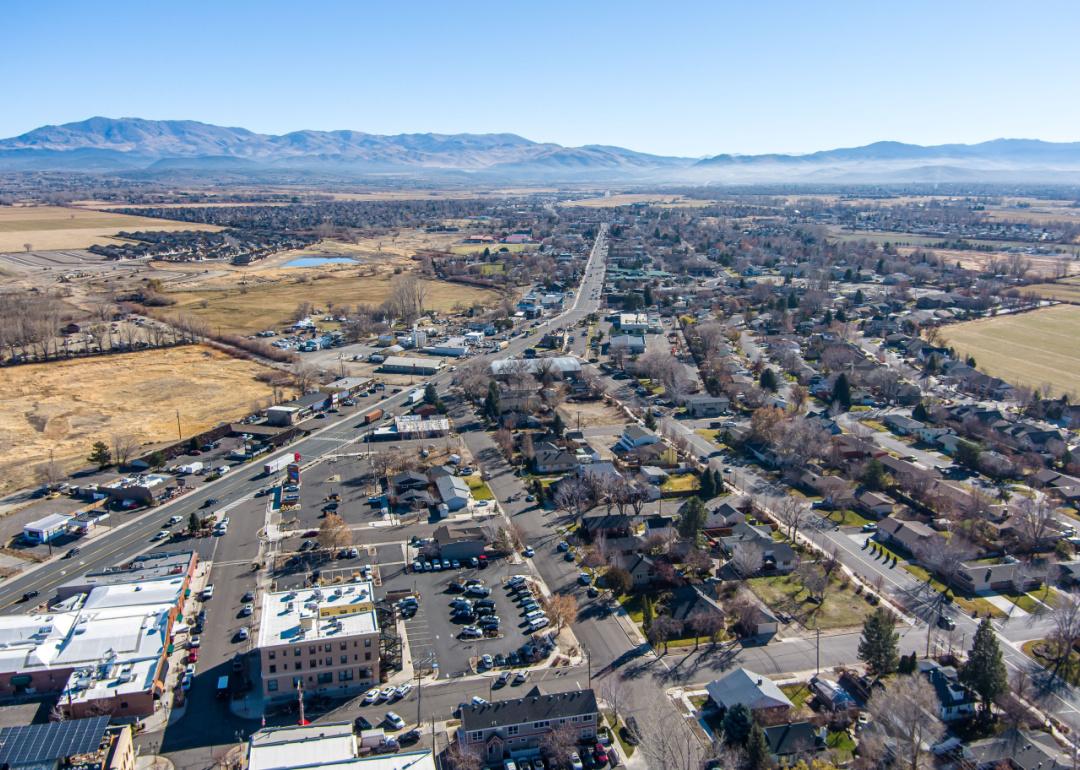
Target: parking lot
(432, 631)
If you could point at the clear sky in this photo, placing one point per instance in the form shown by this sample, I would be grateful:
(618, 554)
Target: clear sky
(684, 78)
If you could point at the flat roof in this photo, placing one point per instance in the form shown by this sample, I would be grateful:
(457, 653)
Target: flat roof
(293, 617)
(167, 590)
(51, 521)
(413, 362)
(330, 745)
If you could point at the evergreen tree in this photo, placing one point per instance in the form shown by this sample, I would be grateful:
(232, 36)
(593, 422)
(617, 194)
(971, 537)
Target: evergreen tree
(841, 393)
(647, 295)
(193, 522)
(431, 396)
(967, 453)
(859, 297)
(848, 275)
(878, 645)
(100, 455)
(491, 401)
(828, 317)
(768, 379)
(873, 475)
(970, 361)
(718, 482)
(707, 487)
(841, 316)
(984, 672)
(648, 614)
(692, 519)
(920, 412)
(792, 301)
(758, 756)
(557, 425)
(738, 724)
(650, 420)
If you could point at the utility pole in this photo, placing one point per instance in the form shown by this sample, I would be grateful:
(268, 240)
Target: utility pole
(817, 661)
(179, 434)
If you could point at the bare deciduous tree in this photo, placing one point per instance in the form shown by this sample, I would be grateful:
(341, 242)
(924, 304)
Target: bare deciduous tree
(905, 712)
(746, 559)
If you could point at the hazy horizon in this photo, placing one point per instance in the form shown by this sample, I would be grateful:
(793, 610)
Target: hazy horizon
(698, 80)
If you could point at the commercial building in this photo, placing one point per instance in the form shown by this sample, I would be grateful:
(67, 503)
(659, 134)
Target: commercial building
(47, 529)
(139, 571)
(282, 416)
(454, 347)
(567, 367)
(460, 542)
(412, 426)
(327, 638)
(516, 728)
(404, 365)
(90, 744)
(632, 322)
(323, 746)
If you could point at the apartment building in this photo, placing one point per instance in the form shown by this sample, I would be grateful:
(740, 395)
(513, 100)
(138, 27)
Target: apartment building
(326, 638)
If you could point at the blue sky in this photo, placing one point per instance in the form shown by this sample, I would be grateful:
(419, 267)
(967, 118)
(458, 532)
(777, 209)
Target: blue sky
(671, 78)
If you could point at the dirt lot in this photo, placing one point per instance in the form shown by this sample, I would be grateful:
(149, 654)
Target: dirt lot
(1033, 349)
(66, 406)
(1043, 266)
(593, 414)
(264, 295)
(48, 228)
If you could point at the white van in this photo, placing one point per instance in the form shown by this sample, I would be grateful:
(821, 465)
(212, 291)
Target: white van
(537, 623)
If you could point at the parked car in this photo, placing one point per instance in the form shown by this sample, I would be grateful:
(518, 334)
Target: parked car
(471, 632)
(371, 696)
(395, 722)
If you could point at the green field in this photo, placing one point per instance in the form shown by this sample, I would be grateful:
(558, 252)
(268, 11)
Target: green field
(1033, 349)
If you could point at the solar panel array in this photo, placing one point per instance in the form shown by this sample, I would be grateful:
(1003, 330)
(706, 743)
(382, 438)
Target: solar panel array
(31, 744)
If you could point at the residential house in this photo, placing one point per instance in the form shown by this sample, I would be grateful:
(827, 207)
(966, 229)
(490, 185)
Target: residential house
(911, 535)
(775, 556)
(698, 406)
(516, 727)
(454, 492)
(642, 569)
(902, 424)
(794, 740)
(635, 436)
(758, 693)
(631, 344)
(607, 525)
(1018, 750)
(1007, 575)
(955, 701)
(407, 480)
(549, 458)
(460, 542)
(876, 504)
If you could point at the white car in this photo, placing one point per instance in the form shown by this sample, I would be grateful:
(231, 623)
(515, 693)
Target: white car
(404, 690)
(208, 592)
(247, 610)
(394, 720)
(387, 693)
(162, 534)
(371, 696)
(174, 520)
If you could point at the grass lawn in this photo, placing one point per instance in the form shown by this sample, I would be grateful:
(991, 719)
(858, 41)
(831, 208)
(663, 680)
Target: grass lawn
(480, 490)
(495, 248)
(798, 693)
(846, 518)
(842, 608)
(1034, 601)
(1070, 671)
(684, 482)
(973, 606)
(842, 743)
(711, 435)
(634, 606)
(698, 701)
(875, 425)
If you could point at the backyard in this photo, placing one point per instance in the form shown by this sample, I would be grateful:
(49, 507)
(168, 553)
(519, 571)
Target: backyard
(841, 608)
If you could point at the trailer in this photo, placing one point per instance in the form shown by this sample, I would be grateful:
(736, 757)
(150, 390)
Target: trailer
(278, 464)
(372, 416)
(415, 396)
(190, 469)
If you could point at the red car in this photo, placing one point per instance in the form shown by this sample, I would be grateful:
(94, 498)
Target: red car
(600, 754)
(193, 655)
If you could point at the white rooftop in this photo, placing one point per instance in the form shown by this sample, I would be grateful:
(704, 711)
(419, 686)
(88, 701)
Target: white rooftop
(51, 521)
(324, 746)
(161, 591)
(96, 682)
(329, 612)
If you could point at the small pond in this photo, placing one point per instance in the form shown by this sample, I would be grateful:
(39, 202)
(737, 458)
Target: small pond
(317, 261)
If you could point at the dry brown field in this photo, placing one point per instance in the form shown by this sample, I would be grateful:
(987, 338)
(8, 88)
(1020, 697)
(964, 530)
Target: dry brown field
(1067, 290)
(627, 199)
(65, 406)
(52, 228)
(1033, 349)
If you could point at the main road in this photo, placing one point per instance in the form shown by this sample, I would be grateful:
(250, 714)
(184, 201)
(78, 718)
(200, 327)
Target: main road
(130, 538)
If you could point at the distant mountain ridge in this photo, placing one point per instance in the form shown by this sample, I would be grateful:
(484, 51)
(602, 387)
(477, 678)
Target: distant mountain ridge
(136, 145)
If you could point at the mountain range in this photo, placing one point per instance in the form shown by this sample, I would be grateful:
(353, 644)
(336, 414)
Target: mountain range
(134, 146)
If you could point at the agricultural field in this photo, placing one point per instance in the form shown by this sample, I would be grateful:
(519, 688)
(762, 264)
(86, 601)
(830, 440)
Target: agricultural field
(1033, 349)
(1042, 265)
(250, 308)
(1067, 290)
(65, 406)
(52, 228)
(478, 248)
(628, 199)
